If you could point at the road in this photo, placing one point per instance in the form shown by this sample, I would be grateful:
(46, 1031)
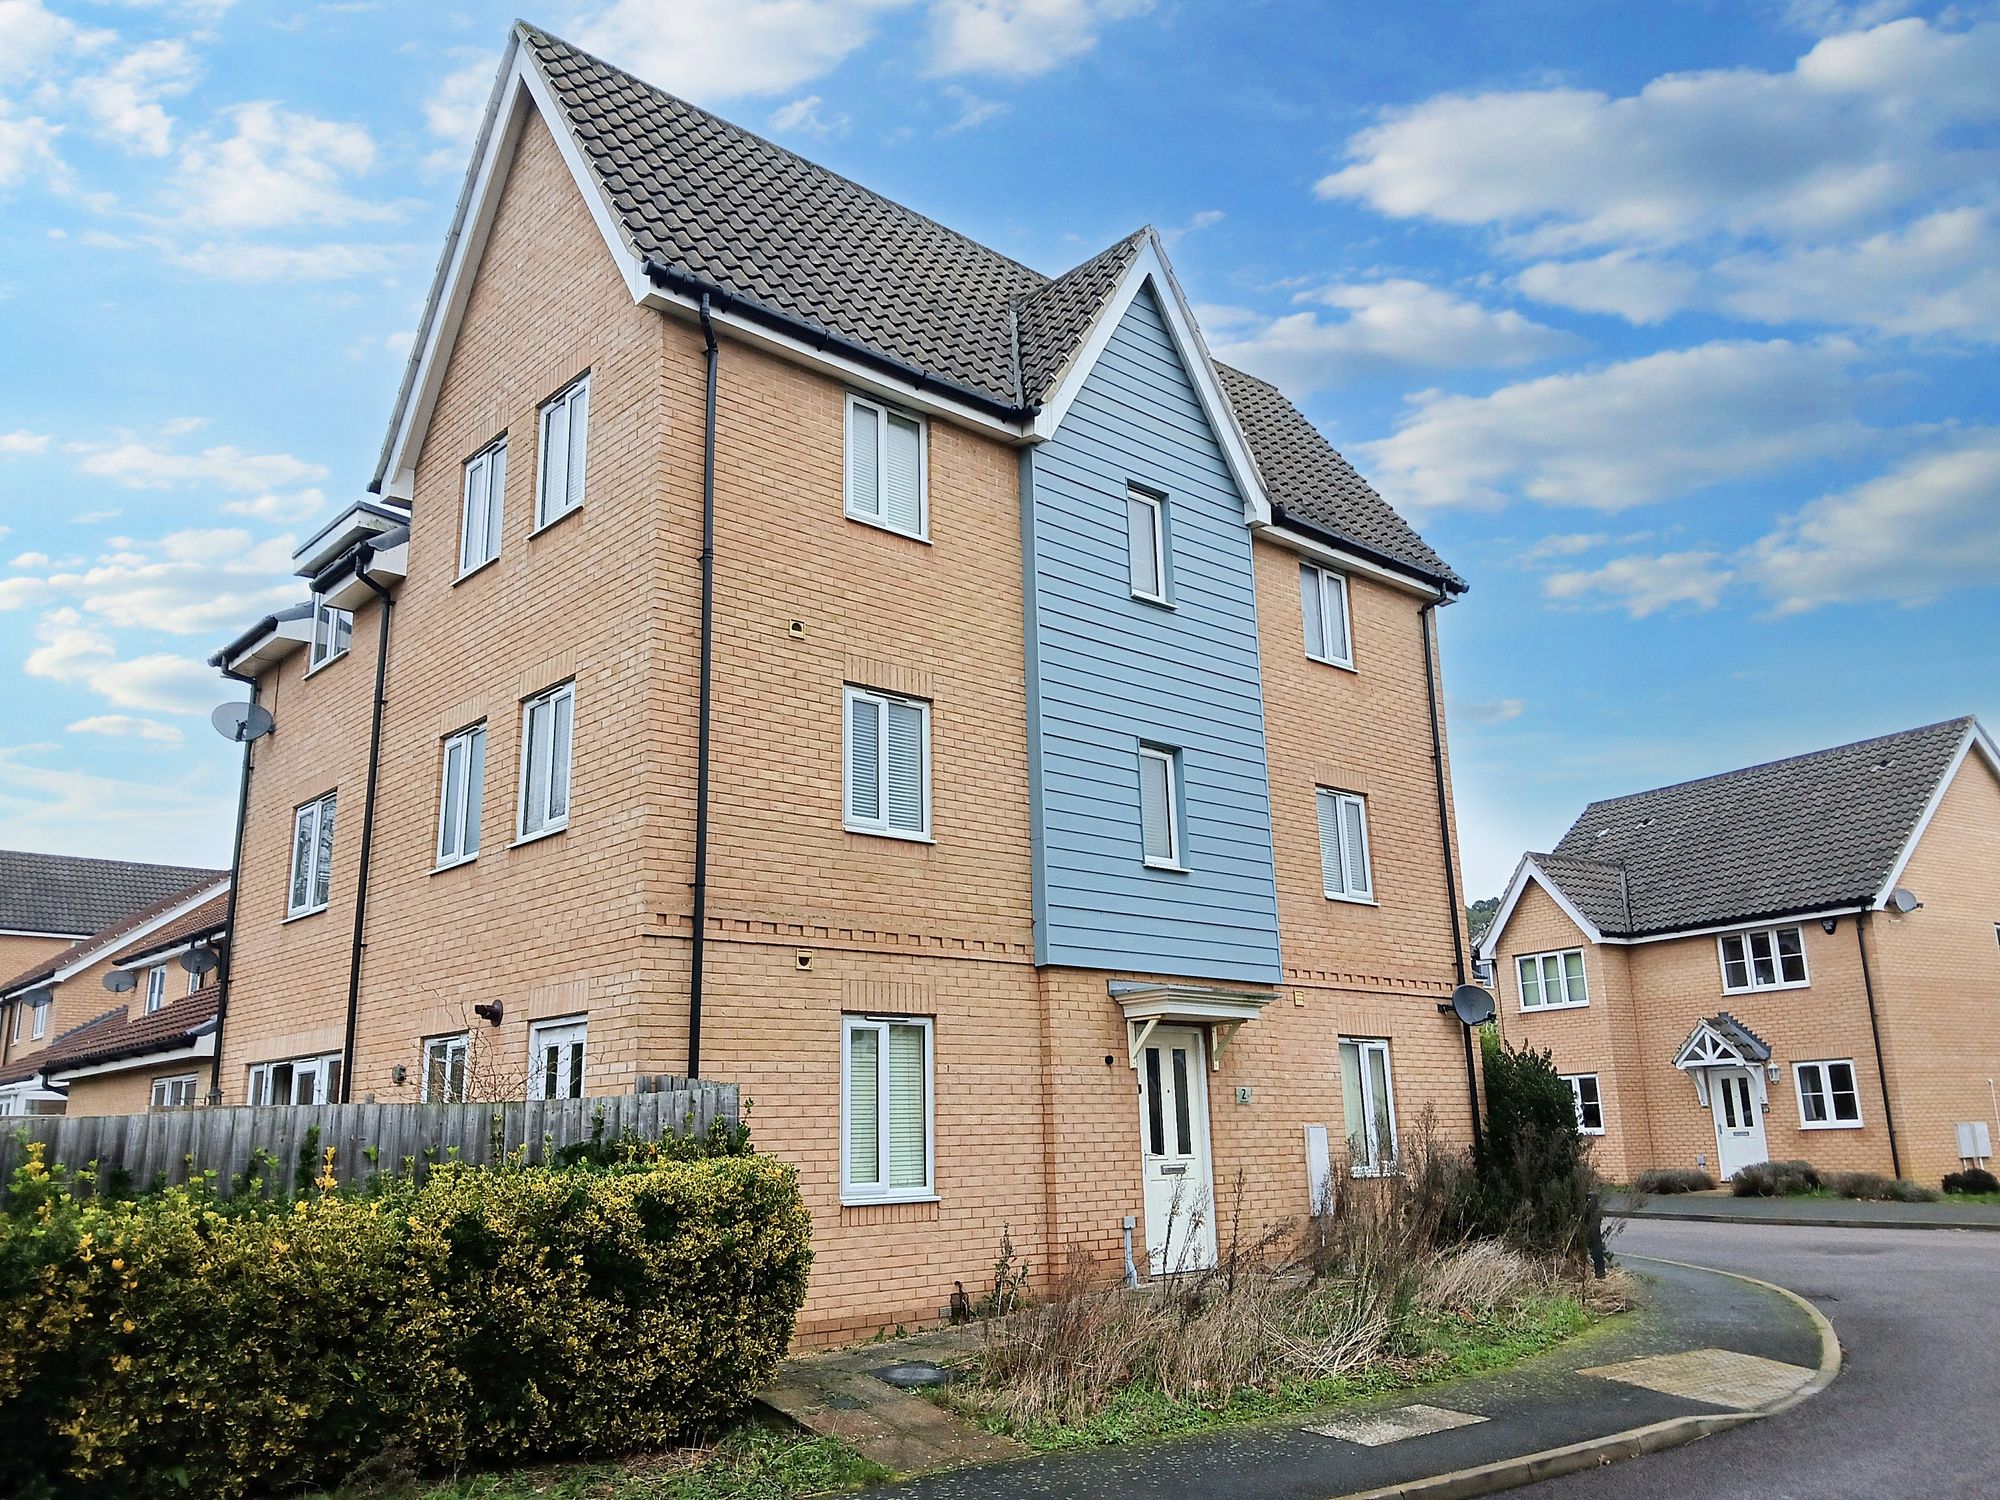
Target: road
(1912, 1416)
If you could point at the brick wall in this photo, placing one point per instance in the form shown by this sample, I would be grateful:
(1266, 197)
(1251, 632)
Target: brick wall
(130, 1092)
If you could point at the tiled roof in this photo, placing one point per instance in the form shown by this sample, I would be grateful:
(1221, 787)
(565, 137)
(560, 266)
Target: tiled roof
(100, 942)
(59, 893)
(169, 1027)
(22, 1068)
(1813, 831)
(200, 921)
(1052, 322)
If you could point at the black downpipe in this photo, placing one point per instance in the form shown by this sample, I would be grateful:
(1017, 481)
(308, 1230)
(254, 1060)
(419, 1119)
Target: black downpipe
(367, 827)
(1875, 1030)
(229, 913)
(699, 950)
(1427, 621)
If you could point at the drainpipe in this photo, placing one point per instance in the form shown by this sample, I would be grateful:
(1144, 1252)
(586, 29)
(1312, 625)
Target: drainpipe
(361, 554)
(1875, 1031)
(701, 757)
(229, 913)
(1427, 622)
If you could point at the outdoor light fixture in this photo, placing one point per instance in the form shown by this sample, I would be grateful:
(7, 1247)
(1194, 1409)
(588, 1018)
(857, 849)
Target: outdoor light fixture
(489, 1011)
(399, 1075)
(1827, 924)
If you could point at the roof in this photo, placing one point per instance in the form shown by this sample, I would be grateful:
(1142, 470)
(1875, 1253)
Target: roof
(23, 1068)
(99, 943)
(201, 921)
(69, 897)
(1808, 833)
(167, 1029)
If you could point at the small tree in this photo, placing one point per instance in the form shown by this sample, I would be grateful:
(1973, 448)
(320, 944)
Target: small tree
(1532, 1179)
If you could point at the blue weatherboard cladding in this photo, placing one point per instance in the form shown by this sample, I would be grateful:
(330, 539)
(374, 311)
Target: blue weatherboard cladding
(1107, 672)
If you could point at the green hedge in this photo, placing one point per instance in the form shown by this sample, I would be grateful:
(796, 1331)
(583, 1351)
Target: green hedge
(184, 1344)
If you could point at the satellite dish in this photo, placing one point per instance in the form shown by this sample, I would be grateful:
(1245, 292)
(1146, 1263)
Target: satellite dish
(241, 721)
(36, 999)
(1903, 900)
(199, 959)
(119, 981)
(1473, 1006)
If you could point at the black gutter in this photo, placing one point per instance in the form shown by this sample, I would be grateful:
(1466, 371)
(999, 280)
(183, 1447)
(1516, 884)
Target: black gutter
(360, 556)
(1293, 522)
(673, 279)
(1875, 1030)
(229, 911)
(699, 952)
(1427, 623)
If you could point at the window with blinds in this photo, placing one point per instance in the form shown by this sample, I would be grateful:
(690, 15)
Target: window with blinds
(885, 1110)
(312, 857)
(547, 727)
(479, 520)
(887, 757)
(565, 421)
(1146, 545)
(1343, 847)
(1160, 807)
(1323, 598)
(887, 470)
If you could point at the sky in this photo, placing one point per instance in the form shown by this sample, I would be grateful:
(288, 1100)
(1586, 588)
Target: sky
(1671, 326)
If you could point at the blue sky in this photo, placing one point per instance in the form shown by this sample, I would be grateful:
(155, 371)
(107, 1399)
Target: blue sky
(1671, 326)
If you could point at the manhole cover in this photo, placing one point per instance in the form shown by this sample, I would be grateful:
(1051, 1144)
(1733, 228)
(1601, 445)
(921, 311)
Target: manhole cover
(912, 1374)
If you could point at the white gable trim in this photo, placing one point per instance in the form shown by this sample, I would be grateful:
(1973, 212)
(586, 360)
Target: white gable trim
(1344, 561)
(125, 938)
(1975, 737)
(1149, 268)
(1525, 873)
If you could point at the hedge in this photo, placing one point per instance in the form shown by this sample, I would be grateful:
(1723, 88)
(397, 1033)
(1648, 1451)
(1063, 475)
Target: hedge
(186, 1344)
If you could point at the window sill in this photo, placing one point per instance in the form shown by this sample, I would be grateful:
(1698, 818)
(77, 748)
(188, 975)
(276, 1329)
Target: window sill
(1370, 1173)
(1160, 603)
(847, 1200)
(475, 568)
(1327, 661)
(538, 835)
(1768, 989)
(300, 916)
(1167, 866)
(1580, 1130)
(554, 521)
(889, 833)
(1350, 900)
(1829, 1124)
(337, 656)
(453, 864)
(920, 535)
(1536, 1010)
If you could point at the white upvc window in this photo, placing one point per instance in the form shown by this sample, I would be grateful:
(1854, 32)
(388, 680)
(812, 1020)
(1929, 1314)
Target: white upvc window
(555, 1058)
(194, 982)
(312, 856)
(886, 1151)
(1162, 839)
(1589, 1100)
(462, 790)
(332, 631)
(565, 423)
(156, 988)
(1146, 544)
(41, 1021)
(1772, 958)
(296, 1080)
(548, 722)
(1346, 873)
(445, 1059)
(1369, 1099)
(1323, 597)
(887, 756)
(173, 1093)
(1829, 1098)
(1552, 981)
(480, 517)
(888, 468)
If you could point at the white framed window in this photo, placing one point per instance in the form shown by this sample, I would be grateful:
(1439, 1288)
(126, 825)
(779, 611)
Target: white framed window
(1368, 1096)
(555, 1058)
(173, 1093)
(1161, 839)
(41, 1021)
(888, 758)
(1323, 597)
(296, 1080)
(462, 791)
(565, 423)
(312, 856)
(1589, 1102)
(548, 722)
(1829, 1098)
(445, 1059)
(1345, 870)
(885, 1110)
(333, 630)
(1146, 544)
(1773, 958)
(194, 983)
(481, 514)
(156, 988)
(888, 468)
(1552, 981)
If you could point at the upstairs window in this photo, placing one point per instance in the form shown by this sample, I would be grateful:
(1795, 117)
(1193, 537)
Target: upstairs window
(156, 988)
(1552, 981)
(1343, 847)
(445, 1060)
(1160, 807)
(888, 765)
(1369, 1100)
(1773, 959)
(1146, 543)
(885, 1110)
(547, 725)
(479, 524)
(1828, 1096)
(332, 630)
(887, 478)
(1589, 1101)
(460, 796)
(565, 420)
(1323, 596)
(312, 856)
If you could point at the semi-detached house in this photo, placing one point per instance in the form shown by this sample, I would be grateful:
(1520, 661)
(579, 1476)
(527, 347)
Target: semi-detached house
(827, 655)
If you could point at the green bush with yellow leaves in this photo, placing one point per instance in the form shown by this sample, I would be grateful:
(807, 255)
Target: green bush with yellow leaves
(189, 1344)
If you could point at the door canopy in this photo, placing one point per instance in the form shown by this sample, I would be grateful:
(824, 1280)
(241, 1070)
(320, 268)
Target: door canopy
(1221, 1011)
(1722, 1041)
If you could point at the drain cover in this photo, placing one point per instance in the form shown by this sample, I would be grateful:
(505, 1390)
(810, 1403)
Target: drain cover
(912, 1374)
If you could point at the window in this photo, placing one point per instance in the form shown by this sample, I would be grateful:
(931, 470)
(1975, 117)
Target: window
(1323, 596)
(460, 795)
(299, 1080)
(1343, 847)
(1552, 981)
(1774, 959)
(194, 982)
(1146, 542)
(332, 630)
(173, 1093)
(555, 1059)
(312, 857)
(1160, 807)
(547, 722)
(156, 988)
(560, 487)
(444, 1069)
(1370, 1103)
(887, 478)
(479, 523)
(1589, 1102)
(888, 757)
(1828, 1097)
(41, 1020)
(885, 1110)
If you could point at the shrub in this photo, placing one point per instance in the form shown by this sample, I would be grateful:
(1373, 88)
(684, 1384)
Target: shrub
(1532, 1181)
(1775, 1179)
(1971, 1180)
(1673, 1180)
(1874, 1187)
(180, 1344)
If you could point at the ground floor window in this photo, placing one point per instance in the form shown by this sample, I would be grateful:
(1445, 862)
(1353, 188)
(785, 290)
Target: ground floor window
(555, 1059)
(1828, 1097)
(1589, 1102)
(173, 1093)
(444, 1069)
(885, 1109)
(297, 1080)
(1370, 1102)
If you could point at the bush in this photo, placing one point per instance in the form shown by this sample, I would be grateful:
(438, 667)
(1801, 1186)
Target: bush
(1971, 1180)
(1775, 1179)
(1673, 1180)
(185, 1344)
(1532, 1181)
(1874, 1187)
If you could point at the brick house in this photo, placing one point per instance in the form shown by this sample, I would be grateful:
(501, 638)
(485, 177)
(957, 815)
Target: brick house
(1792, 961)
(1063, 709)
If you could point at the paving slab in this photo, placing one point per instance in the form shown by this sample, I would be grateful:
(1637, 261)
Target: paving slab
(1822, 1213)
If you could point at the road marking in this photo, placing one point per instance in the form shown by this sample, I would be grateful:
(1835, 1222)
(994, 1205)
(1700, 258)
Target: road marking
(1373, 1429)
(1721, 1377)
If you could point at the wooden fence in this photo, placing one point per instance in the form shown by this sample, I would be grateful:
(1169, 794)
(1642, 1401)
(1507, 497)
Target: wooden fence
(366, 1138)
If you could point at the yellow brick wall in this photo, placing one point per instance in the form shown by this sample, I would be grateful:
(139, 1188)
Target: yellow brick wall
(130, 1092)
(82, 997)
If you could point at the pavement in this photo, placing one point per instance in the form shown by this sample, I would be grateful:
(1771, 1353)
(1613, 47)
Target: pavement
(1826, 1213)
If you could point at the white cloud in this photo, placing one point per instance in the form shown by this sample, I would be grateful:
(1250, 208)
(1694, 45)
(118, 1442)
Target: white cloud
(190, 582)
(1644, 586)
(973, 109)
(1019, 38)
(73, 652)
(275, 168)
(280, 510)
(79, 813)
(250, 261)
(457, 103)
(144, 466)
(1565, 544)
(33, 39)
(803, 116)
(129, 726)
(23, 441)
(25, 145)
(1208, 218)
(124, 100)
(711, 50)
(1828, 17)
(1635, 287)
(1498, 711)
(30, 560)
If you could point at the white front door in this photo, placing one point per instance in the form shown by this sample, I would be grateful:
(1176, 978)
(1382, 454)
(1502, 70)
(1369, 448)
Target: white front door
(1739, 1124)
(1173, 1143)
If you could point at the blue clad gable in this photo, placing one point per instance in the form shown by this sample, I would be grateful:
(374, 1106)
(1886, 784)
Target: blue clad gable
(1108, 672)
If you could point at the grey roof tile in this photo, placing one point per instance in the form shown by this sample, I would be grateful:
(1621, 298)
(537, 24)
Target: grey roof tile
(73, 897)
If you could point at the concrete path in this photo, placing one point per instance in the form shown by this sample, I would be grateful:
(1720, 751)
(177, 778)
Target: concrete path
(1843, 1213)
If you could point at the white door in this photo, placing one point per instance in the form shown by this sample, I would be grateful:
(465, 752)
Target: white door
(1173, 1143)
(1739, 1125)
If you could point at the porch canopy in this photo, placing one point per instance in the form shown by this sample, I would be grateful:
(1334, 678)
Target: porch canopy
(1221, 1011)
(1722, 1041)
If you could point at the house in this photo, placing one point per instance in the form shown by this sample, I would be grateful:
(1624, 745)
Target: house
(947, 704)
(49, 901)
(1792, 961)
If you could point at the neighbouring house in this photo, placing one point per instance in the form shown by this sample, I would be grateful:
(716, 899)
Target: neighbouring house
(1798, 960)
(49, 901)
(1076, 842)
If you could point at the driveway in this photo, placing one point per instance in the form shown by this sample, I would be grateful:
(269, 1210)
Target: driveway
(1912, 1416)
